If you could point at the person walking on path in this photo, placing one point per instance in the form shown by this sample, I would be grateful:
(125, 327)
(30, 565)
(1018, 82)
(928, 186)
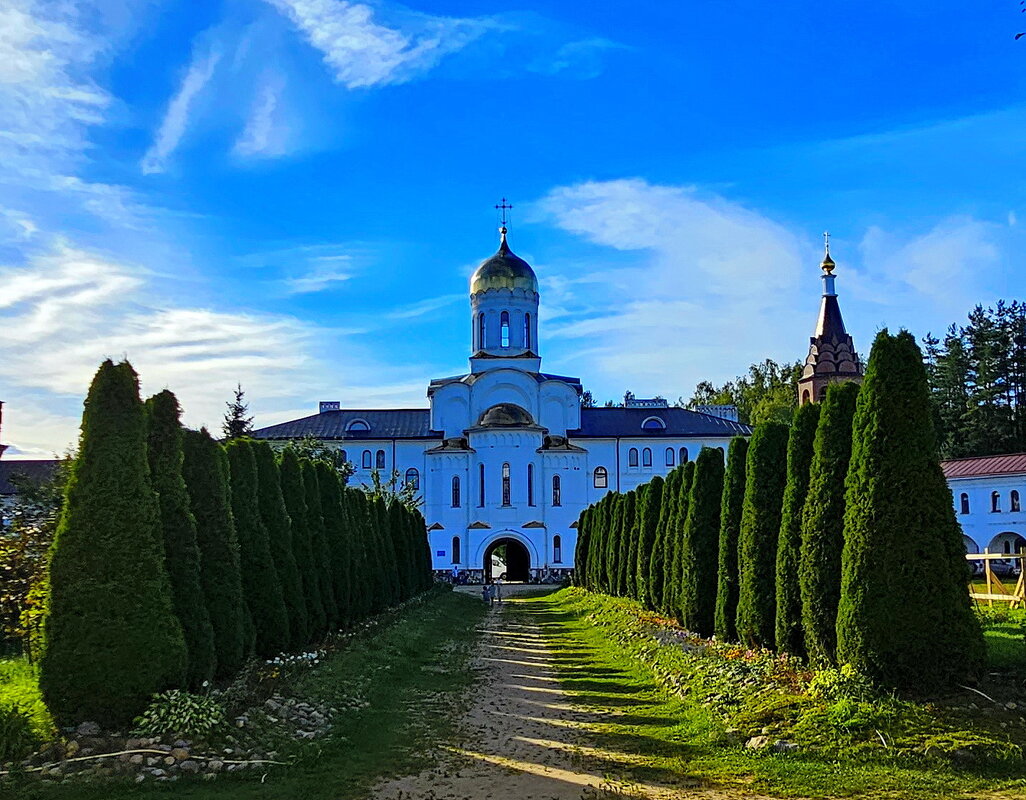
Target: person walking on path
(497, 589)
(486, 593)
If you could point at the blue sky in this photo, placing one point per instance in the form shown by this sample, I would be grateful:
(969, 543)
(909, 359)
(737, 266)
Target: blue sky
(293, 193)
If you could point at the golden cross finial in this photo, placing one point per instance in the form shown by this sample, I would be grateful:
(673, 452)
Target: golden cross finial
(504, 207)
(828, 262)
(826, 241)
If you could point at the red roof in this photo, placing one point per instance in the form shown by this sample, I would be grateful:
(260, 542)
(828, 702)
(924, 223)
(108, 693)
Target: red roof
(980, 466)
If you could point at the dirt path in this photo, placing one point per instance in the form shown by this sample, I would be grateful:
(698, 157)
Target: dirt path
(523, 737)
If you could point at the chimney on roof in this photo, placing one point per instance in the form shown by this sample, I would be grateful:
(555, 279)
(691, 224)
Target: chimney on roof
(329, 405)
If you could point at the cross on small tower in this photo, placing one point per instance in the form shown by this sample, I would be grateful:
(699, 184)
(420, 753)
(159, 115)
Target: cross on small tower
(504, 207)
(826, 241)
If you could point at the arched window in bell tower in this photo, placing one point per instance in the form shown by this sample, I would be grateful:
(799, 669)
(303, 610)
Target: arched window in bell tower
(481, 331)
(527, 331)
(504, 329)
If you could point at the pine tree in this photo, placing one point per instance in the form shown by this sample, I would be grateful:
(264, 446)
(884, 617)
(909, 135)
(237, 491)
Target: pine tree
(293, 493)
(112, 638)
(819, 569)
(648, 522)
(237, 421)
(730, 529)
(674, 537)
(657, 561)
(278, 524)
(178, 531)
(319, 543)
(904, 618)
(766, 472)
(205, 469)
(696, 602)
(789, 635)
(260, 587)
(336, 537)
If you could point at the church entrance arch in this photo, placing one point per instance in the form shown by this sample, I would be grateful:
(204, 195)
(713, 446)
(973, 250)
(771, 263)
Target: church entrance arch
(508, 559)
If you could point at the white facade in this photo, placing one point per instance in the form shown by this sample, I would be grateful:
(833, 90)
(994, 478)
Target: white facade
(505, 454)
(990, 511)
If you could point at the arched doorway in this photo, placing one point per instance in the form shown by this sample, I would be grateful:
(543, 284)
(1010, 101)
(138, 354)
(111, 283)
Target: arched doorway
(507, 558)
(1007, 542)
(970, 544)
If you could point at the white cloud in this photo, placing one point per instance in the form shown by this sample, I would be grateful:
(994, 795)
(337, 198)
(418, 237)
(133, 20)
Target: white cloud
(363, 52)
(266, 134)
(176, 119)
(578, 59)
(323, 272)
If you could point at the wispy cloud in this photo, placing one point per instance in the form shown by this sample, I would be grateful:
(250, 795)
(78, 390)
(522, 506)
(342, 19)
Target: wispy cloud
(583, 58)
(176, 119)
(266, 134)
(322, 273)
(363, 52)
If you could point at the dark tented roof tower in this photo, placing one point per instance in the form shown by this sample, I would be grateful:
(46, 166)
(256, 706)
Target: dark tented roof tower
(832, 356)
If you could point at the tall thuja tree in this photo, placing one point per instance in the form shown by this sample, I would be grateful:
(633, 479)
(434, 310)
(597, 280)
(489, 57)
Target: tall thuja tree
(390, 562)
(657, 560)
(674, 537)
(581, 548)
(366, 586)
(278, 524)
(260, 586)
(205, 469)
(766, 473)
(319, 543)
(112, 638)
(293, 492)
(623, 571)
(730, 529)
(640, 499)
(696, 602)
(904, 617)
(398, 533)
(336, 537)
(178, 531)
(819, 569)
(422, 548)
(789, 635)
(597, 546)
(648, 522)
(613, 522)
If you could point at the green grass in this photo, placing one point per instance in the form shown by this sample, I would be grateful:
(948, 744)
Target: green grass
(20, 689)
(611, 663)
(1005, 633)
(411, 671)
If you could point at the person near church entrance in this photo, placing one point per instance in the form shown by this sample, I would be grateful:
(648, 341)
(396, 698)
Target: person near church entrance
(486, 593)
(497, 589)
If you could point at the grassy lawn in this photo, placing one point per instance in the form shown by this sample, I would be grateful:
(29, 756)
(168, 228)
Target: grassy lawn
(1005, 632)
(410, 673)
(610, 661)
(19, 689)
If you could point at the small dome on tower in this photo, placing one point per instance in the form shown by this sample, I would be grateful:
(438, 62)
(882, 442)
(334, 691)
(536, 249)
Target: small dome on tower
(506, 415)
(504, 270)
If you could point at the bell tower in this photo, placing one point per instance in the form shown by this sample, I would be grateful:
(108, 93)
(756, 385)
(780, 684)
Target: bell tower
(832, 356)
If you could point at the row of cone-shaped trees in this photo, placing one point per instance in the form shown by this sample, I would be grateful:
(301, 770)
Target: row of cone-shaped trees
(177, 558)
(832, 539)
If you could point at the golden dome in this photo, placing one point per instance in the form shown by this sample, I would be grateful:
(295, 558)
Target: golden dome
(504, 270)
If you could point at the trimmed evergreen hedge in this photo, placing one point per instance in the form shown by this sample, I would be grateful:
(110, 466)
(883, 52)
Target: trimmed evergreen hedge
(696, 598)
(649, 522)
(730, 530)
(293, 491)
(674, 538)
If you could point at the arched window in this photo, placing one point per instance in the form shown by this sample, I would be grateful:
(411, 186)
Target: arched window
(557, 491)
(481, 331)
(632, 457)
(601, 478)
(1014, 501)
(669, 456)
(646, 457)
(456, 500)
(653, 424)
(345, 456)
(965, 503)
(456, 550)
(507, 489)
(527, 331)
(530, 484)
(557, 549)
(357, 426)
(806, 397)
(367, 459)
(504, 329)
(481, 485)
(413, 479)
(995, 501)
(379, 459)
(683, 455)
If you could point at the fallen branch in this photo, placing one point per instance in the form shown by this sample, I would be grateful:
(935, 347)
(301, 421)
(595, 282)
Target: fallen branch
(981, 694)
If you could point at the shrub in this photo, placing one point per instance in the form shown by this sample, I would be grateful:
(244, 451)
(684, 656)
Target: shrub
(336, 538)
(112, 638)
(730, 527)
(789, 637)
(182, 715)
(649, 513)
(626, 523)
(674, 534)
(318, 543)
(760, 526)
(294, 495)
(657, 559)
(819, 569)
(178, 528)
(904, 617)
(696, 603)
(17, 736)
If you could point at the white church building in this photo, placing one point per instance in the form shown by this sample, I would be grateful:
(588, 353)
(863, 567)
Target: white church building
(505, 455)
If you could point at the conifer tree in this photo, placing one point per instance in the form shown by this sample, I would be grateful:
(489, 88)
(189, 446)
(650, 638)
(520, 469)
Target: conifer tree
(205, 469)
(319, 543)
(674, 536)
(178, 532)
(402, 557)
(367, 587)
(597, 548)
(336, 537)
(789, 634)
(766, 472)
(389, 560)
(730, 529)
(657, 560)
(696, 603)
(278, 525)
(112, 638)
(260, 587)
(623, 570)
(293, 492)
(613, 524)
(237, 420)
(581, 548)
(904, 617)
(823, 524)
(423, 550)
(648, 522)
